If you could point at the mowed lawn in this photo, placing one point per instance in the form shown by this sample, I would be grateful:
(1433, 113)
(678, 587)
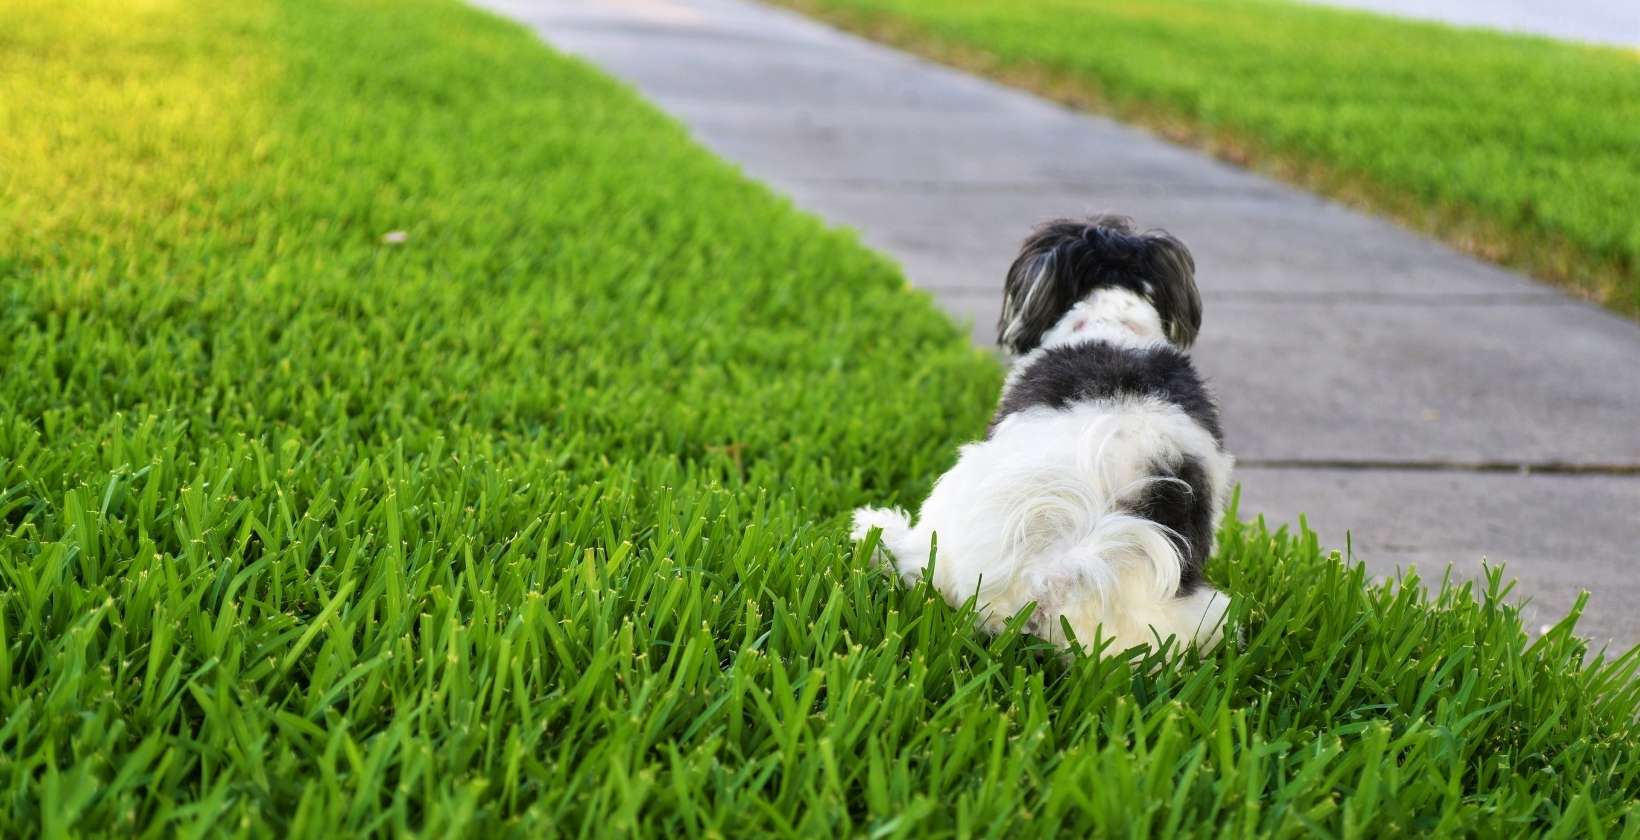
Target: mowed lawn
(534, 522)
(1522, 150)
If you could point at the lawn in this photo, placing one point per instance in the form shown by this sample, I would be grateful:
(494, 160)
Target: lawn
(531, 520)
(1521, 150)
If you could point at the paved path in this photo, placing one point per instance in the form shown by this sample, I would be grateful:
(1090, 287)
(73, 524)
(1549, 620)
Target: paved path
(1361, 367)
(1615, 22)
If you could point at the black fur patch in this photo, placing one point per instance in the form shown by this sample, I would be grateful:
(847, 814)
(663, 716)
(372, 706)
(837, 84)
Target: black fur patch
(1096, 370)
(1186, 506)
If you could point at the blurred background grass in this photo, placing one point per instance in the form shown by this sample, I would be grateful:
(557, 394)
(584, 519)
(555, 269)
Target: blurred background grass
(1519, 149)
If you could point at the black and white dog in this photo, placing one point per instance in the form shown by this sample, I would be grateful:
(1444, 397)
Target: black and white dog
(1097, 490)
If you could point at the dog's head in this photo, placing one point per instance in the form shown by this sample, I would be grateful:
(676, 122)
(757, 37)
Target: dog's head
(1064, 262)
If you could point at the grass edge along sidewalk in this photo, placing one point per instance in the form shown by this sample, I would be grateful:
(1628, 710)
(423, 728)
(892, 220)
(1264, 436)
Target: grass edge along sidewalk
(530, 519)
(1514, 148)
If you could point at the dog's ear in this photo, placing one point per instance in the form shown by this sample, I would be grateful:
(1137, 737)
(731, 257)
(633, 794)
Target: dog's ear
(1036, 292)
(1169, 274)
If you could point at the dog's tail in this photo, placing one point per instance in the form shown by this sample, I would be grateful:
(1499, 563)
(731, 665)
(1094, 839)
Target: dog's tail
(1122, 581)
(896, 545)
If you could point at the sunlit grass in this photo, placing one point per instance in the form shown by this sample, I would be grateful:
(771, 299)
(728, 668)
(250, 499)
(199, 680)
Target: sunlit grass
(533, 522)
(1519, 149)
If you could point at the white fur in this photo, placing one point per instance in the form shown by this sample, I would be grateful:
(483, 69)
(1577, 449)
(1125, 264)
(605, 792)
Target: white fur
(1115, 316)
(1035, 513)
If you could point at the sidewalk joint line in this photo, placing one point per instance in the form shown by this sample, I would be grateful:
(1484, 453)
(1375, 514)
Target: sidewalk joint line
(1558, 468)
(1390, 298)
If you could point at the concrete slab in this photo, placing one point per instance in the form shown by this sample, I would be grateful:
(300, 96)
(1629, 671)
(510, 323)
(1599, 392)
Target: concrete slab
(1330, 336)
(1021, 149)
(1281, 242)
(1409, 381)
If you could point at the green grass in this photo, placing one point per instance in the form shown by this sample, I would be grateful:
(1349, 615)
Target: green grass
(1521, 150)
(534, 523)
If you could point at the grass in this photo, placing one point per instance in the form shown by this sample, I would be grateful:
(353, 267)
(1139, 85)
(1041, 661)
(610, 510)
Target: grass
(1518, 149)
(534, 522)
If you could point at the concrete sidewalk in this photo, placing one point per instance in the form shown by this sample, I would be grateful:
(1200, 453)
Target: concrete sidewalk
(1371, 379)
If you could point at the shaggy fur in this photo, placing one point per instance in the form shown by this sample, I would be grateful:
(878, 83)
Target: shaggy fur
(1097, 489)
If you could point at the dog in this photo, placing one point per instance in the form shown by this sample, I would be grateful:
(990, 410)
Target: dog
(1097, 490)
